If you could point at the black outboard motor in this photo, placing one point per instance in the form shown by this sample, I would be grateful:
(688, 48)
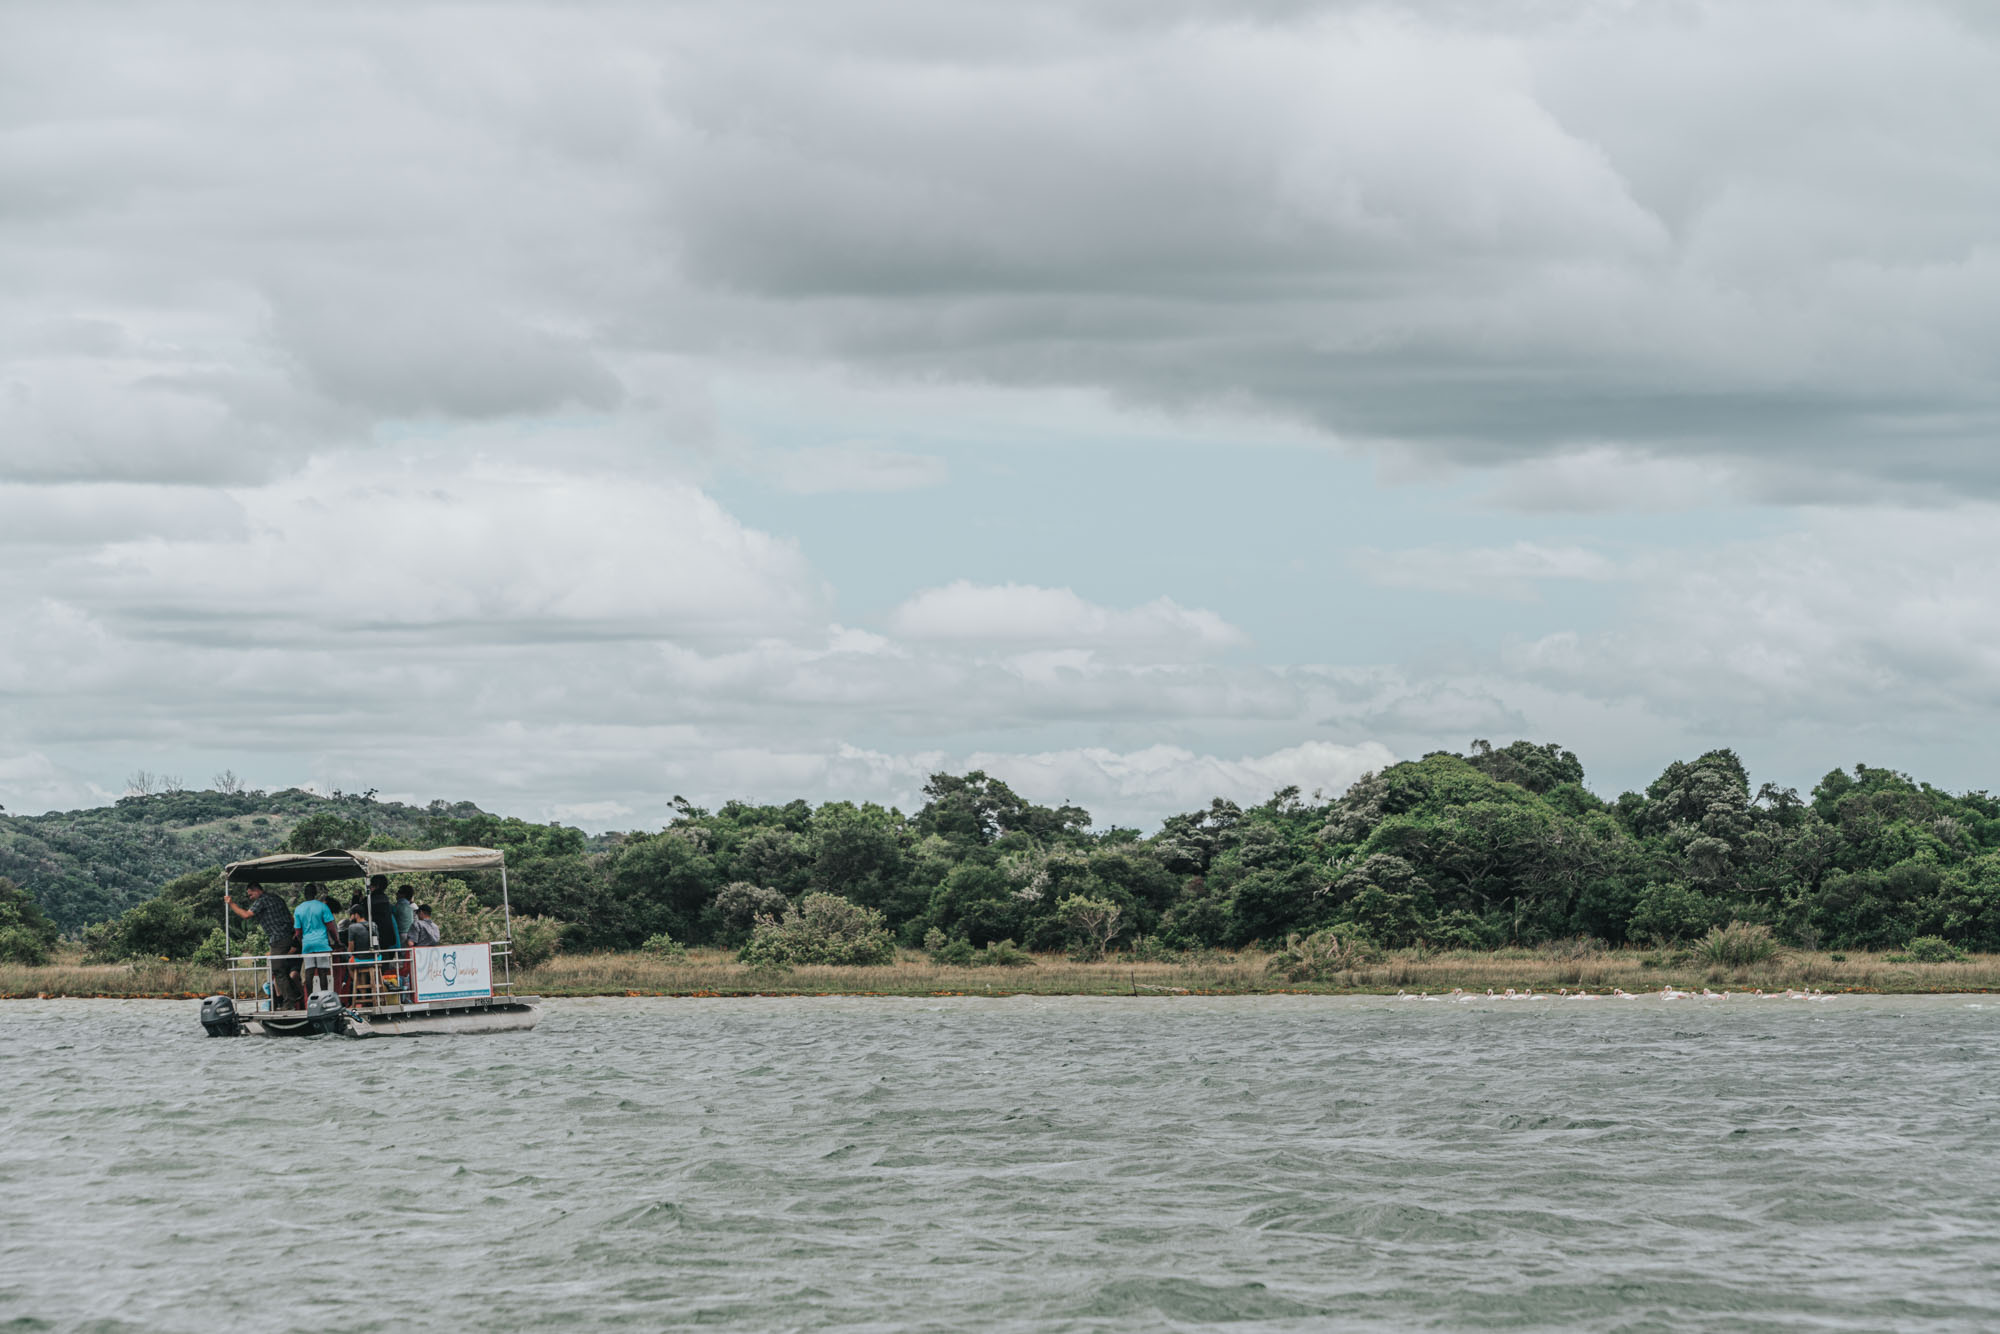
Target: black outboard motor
(325, 1013)
(218, 1016)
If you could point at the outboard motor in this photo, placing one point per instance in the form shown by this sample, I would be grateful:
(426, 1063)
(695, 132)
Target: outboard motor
(326, 1013)
(219, 1017)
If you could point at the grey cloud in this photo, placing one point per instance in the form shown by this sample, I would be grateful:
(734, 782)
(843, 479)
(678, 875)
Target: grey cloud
(400, 352)
(90, 515)
(1718, 233)
(1480, 233)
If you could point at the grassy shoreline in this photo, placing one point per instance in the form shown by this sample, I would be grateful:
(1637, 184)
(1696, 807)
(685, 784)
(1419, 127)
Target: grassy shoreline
(717, 973)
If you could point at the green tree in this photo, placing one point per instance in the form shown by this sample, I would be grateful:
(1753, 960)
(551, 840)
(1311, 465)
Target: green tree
(26, 934)
(660, 883)
(979, 809)
(977, 902)
(327, 830)
(1091, 923)
(857, 852)
(1540, 769)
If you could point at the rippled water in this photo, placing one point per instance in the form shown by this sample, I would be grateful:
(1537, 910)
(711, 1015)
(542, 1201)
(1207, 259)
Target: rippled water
(1281, 1162)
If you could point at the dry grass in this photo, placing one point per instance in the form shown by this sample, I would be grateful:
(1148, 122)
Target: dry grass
(73, 977)
(716, 973)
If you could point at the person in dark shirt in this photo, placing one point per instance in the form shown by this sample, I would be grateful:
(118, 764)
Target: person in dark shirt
(382, 912)
(406, 916)
(426, 931)
(268, 911)
(358, 935)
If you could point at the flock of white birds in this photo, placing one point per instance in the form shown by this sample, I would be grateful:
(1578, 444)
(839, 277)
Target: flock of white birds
(1616, 993)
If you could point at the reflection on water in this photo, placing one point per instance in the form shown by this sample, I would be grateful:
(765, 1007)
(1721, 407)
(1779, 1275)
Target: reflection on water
(1277, 1162)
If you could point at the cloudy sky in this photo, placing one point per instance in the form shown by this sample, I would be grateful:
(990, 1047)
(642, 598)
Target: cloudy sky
(563, 406)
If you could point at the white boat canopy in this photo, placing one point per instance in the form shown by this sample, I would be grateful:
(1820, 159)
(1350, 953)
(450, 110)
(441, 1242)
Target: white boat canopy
(288, 868)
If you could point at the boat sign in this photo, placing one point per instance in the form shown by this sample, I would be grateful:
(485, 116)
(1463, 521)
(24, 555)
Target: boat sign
(452, 972)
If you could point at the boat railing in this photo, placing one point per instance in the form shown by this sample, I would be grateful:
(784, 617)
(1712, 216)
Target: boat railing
(364, 979)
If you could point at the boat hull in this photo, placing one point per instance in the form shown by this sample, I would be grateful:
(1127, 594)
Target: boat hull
(504, 1016)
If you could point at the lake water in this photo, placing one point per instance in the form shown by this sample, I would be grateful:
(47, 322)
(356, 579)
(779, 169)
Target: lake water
(1278, 1163)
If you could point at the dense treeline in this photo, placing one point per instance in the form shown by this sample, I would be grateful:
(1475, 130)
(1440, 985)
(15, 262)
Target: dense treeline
(86, 865)
(1495, 847)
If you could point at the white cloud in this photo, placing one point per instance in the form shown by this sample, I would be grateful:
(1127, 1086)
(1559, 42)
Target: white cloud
(1117, 787)
(1887, 620)
(1026, 616)
(1133, 786)
(479, 554)
(32, 783)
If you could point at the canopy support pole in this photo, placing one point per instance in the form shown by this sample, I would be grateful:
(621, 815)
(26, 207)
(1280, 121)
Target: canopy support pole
(507, 917)
(226, 947)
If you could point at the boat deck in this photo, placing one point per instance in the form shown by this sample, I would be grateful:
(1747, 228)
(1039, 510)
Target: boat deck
(412, 1008)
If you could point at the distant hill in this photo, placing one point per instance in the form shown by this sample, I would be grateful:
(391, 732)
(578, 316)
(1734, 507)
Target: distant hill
(88, 865)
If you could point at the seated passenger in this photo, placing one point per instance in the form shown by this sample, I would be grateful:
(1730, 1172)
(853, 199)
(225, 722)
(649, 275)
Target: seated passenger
(427, 933)
(358, 936)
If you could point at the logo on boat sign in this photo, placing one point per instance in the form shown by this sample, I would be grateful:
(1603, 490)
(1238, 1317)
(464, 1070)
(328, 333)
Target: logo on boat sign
(452, 972)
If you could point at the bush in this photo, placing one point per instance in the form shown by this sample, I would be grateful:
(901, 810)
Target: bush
(215, 951)
(20, 945)
(536, 940)
(823, 929)
(949, 951)
(1315, 957)
(1004, 954)
(1737, 945)
(1934, 949)
(156, 929)
(664, 948)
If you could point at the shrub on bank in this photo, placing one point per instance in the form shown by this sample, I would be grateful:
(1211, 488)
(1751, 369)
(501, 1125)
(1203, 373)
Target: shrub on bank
(1737, 945)
(159, 928)
(1933, 949)
(947, 951)
(1318, 956)
(822, 929)
(664, 948)
(1004, 954)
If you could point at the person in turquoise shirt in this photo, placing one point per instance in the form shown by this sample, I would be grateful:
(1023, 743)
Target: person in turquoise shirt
(313, 918)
